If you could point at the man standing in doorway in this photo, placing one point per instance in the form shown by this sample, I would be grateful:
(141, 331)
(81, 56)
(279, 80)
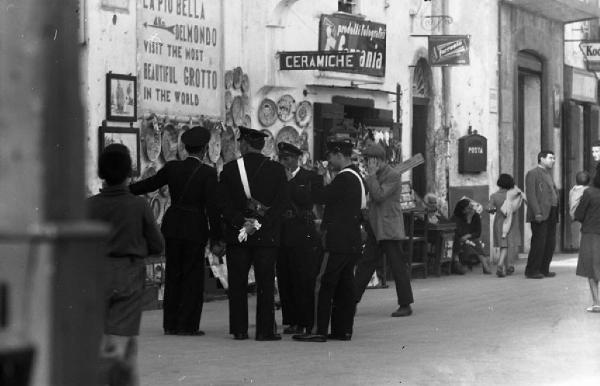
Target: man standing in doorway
(542, 213)
(596, 157)
(387, 222)
(335, 295)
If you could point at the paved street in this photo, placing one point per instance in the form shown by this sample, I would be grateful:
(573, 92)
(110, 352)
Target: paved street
(465, 330)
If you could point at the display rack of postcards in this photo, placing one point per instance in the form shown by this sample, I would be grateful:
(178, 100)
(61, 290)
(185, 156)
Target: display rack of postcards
(407, 196)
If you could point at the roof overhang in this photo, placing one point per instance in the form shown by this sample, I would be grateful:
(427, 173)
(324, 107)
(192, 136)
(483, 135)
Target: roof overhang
(565, 11)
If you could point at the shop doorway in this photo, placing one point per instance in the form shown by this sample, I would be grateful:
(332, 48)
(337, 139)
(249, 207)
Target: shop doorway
(528, 131)
(420, 133)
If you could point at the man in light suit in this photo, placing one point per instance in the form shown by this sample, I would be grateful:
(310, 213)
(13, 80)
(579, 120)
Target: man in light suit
(542, 213)
(387, 222)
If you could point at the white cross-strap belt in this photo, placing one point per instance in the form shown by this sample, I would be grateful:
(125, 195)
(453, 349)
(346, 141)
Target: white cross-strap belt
(363, 193)
(244, 177)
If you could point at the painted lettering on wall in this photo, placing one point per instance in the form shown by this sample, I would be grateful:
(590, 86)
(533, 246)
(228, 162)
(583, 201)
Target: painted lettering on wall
(179, 51)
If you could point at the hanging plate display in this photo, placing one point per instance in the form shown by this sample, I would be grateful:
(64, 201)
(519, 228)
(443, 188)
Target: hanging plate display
(228, 79)
(237, 111)
(304, 113)
(228, 100)
(237, 78)
(245, 83)
(269, 149)
(214, 145)
(152, 142)
(285, 107)
(288, 134)
(267, 112)
(181, 152)
(170, 143)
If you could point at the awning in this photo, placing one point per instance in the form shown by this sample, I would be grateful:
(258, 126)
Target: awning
(565, 11)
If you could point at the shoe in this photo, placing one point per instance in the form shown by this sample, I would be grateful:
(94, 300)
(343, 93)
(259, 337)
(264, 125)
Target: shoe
(595, 308)
(346, 336)
(170, 332)
(310, 338)
(240, 336)
(535, 276)
(293, 329)
(549, 274)
(190, 333)
(500, 272)
(402, 311)
(268, 338)
(510, 270)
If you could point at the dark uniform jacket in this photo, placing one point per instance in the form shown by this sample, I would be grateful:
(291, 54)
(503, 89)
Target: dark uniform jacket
(188, 217)
(298, 224)
(268, 184)
(342, 216)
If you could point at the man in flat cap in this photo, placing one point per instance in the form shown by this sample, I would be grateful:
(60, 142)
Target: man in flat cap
(191, 220)
(253, 196)
(300, 251)
(344, 198)
(387, 224)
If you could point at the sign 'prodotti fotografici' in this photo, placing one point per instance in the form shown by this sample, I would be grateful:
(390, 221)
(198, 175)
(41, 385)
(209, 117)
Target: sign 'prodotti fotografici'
(179, 50)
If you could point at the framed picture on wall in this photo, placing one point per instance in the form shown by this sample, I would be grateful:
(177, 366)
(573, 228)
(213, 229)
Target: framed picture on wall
(130, 137)
(121, 97)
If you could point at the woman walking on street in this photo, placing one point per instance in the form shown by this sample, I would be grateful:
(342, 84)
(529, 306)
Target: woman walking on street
(505, 203)
(588, 265)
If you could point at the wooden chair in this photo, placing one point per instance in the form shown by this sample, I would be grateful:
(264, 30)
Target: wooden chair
(416, 241)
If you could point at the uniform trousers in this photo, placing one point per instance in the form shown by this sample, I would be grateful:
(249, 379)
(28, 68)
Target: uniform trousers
(239, 260)
(335, 294)
(543, 240)
(297, 268)
(398, 259)
(184, 285)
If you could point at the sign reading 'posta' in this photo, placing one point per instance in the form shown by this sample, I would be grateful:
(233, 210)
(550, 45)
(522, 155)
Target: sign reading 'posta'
(179, 65)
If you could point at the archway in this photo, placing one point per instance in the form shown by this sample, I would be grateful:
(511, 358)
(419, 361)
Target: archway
(421, 99)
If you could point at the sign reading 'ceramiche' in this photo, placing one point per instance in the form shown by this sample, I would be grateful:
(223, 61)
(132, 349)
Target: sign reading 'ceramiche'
(179, 57)
(591, 51)
(317, 60)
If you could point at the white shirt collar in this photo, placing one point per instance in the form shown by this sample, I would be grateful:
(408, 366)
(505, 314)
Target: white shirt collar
(295, 172)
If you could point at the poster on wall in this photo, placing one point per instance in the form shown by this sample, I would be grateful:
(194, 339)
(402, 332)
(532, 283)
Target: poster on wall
(347, 33)
(179, 57)
(448, 50)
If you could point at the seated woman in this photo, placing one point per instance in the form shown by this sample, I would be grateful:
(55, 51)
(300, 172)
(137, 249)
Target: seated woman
(467, 245)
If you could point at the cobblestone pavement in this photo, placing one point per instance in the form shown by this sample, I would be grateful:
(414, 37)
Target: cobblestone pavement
(465, 330)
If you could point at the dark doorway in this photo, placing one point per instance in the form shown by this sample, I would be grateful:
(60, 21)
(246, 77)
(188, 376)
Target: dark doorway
(419, 143)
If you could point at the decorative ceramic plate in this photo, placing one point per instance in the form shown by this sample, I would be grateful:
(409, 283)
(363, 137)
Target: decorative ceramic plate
(214, 145)
(267, 112)
(156, 208)
(285, 107)
(181, 152)
(237, 77)
(228, 145)
(247, 121)
(228, 118)
(237, 111)
(245, 83)
(269, 149)
(228, 79)
(170, 143)
(228, 99)
(152, 140)
(246, 103)
(288, 134)
(304, 113)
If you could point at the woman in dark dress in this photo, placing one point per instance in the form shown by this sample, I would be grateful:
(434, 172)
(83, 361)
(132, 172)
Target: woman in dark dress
(466, 239)
(588, 264)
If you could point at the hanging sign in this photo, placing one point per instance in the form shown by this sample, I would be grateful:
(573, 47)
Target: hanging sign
(179, 57)
(348, 33)
(448, 50)
(591, 52)
(319, 60)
